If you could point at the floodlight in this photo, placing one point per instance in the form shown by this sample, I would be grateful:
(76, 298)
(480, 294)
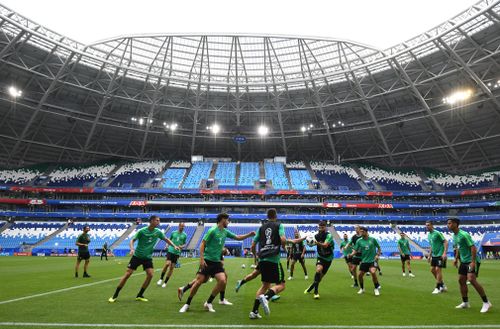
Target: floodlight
(14, 92)
(141, 121)
(215, 129)
(263, 130)
(458, 96)
(303, 129)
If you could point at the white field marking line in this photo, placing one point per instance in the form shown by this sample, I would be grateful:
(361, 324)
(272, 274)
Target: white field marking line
(125, 325)
(75, 287)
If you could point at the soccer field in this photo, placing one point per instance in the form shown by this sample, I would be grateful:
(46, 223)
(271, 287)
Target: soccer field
(42, 292)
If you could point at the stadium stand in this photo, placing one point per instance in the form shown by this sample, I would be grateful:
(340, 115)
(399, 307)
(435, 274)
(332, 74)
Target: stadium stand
(26, 233)
(226, 174)
(189, 229)
(78, 176)
(173, 177)
(299, 179)
(392, 179)
(18, 176)
(336, 177)
(249, 174)
(137, 173)
(469, 181)
(199, 171)
(275, 172)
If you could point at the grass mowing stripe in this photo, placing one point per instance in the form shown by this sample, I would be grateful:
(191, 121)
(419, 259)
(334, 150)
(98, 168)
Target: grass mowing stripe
(73, 288)
(114, 325)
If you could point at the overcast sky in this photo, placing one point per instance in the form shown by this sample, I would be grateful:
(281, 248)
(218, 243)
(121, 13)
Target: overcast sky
(378, 23)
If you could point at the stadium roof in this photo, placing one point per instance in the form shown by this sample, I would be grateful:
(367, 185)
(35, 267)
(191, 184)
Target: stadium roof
(115, 98)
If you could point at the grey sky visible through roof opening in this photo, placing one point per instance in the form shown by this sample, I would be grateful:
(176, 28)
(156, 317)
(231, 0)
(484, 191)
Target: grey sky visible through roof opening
(380, 24)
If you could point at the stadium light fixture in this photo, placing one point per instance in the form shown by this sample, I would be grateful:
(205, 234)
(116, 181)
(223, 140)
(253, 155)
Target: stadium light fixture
(458, 96)
(263, 130)
(141, 121)
(303, 129)
(14, 92)
(215, 128)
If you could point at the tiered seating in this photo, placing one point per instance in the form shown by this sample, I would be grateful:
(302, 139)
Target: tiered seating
(173, 177)
(300, 179)
(275, 172)
(18, 176)
(336, 176)
(199, 171)
(26, 233)
(226, 174)
(78, 176)
(469, 181)
(99, 233)
(123, 248)
(249, 173)
(392, 179)
(296, 165)
(180, 164)
(137, 173)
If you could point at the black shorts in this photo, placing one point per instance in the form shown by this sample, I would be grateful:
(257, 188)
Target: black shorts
(356, 260)
(348, 259)
(297, 257)
(135, 262)
(404, 258)
(464, 269)
(83, 255)
(326, 264)
(172, 257)
(365, 267)
(211, 269)
(438, 262)
(271, 272)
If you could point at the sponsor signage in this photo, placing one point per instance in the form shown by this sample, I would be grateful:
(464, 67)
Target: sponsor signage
(240, 139)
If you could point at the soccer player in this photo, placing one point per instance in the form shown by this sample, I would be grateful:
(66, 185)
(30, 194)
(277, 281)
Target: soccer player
(466, 252)
(298, 253)
(270, 237)
(146, 239)
(437, 257)
(325, 245)
(104, 252)
(370, 253)
(404, 252)
(210, 262)
(288, 248)
(346, 249)
(356, 259)
(179, 238)
(83, 242)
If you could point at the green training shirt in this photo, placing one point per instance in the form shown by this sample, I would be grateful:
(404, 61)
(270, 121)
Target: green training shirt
(146, 241)
(346, 251)
(368, 248)
(404, 245)
(436, 240)
(463, 242)
(83, 238)
(215, 239)
(329, 240)
(177, 239)
(273, 259)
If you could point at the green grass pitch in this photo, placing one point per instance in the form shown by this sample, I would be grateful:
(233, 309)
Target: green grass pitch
(404, 302)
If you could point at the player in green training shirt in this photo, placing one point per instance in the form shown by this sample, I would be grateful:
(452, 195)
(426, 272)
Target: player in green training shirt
(437, 256)
(346, 249)
(325, 246)
(466, 252)
(83, 242)
(179, 239)
(370, 253)
(146, 239)
(405, 253)
(210, 262)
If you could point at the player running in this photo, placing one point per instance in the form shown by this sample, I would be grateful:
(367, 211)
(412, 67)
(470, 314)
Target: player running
(146, 239)
(325, 246)
(346, 249)
(466, 252)
(356, 259)
(437, 257)
(370, 253)
(405, 254)
(298, 253)
(210, 262)
(179, 238)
